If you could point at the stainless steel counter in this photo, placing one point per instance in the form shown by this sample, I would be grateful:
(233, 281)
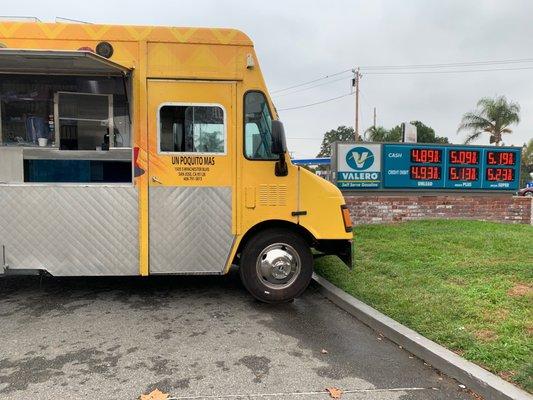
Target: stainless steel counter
(11, 164)
(12, 158)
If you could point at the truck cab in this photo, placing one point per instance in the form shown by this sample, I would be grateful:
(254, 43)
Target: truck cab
(134, 150)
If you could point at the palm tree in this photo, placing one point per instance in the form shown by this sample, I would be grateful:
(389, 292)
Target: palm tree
(493, 116)
(376, 134)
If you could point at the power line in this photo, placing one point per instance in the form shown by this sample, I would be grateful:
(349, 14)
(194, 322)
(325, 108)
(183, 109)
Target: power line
(317, 103)
(312, 81)
(311, 87)
(448, 65)
(416, 66)
(375, 70)
(447, 72)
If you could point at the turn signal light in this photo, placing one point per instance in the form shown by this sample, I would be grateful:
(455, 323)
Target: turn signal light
(346, 217)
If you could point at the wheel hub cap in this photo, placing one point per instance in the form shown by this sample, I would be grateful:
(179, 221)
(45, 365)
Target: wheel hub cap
(278, 266)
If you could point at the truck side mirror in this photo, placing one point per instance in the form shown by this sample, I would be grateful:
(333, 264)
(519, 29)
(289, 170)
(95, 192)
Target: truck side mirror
(279, 147)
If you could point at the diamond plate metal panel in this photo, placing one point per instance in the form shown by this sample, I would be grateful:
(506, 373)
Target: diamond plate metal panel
(190, 229)
(70, 230)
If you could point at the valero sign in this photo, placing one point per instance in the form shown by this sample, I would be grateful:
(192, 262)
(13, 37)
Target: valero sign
(417, 166)
(358, 166)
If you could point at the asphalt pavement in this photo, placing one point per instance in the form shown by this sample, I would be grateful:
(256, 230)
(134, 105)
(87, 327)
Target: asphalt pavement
(195, 338)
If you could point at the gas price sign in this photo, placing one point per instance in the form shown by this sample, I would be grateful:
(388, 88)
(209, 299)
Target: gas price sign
(463, 168)
(446, 167)
(450, 167)
(413, 166)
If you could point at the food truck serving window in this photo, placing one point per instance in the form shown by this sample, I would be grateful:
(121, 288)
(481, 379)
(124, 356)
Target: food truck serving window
(65, 117)
(191, 128)
(73, 100)
(65, 112)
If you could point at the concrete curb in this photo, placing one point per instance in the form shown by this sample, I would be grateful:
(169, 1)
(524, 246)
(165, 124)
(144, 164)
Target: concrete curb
(474, 377)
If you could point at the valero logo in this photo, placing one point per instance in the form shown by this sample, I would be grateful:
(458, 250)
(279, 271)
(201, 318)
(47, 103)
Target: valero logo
(360, 158)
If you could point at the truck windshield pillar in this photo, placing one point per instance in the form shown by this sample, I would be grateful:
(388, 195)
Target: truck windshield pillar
(257, 127)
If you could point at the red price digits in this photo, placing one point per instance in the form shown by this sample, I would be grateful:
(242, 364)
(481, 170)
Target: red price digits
(463, 174)
(500, 174)
(431, 156)
(507, 158)
(470, 174)
(500, 158)
(464, 157)
(425, 173)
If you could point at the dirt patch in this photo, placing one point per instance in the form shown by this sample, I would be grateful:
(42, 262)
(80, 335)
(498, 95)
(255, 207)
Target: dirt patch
(507, 375)
(529, 329)
(458, 281)
(520, 289)
(493, 316)
(486, 335)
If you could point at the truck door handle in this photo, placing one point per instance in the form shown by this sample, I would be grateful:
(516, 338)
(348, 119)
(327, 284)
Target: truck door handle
(156, 180)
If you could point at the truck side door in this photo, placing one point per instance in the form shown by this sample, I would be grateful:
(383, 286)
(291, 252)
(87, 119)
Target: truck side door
(191, 171)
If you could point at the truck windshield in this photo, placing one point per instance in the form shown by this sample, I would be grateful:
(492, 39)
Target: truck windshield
(257, 127)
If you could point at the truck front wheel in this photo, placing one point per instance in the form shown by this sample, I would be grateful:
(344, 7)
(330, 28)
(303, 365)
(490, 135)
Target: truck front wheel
(276, 265)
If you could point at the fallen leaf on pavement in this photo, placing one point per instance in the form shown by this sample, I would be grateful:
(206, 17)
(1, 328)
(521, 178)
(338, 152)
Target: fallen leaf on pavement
(334, 393)
(155, 395)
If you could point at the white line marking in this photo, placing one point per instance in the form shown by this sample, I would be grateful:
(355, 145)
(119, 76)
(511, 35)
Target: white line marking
(316, 393)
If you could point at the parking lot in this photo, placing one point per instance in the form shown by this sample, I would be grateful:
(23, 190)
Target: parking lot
(195, 338)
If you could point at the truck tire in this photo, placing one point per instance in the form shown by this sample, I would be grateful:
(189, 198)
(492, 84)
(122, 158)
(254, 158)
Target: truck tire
(276, 265)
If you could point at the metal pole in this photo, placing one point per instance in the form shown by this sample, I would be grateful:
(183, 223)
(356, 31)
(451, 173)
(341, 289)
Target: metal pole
(357, 76)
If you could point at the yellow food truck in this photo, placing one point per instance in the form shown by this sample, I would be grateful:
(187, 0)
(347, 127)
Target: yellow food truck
(137, 150)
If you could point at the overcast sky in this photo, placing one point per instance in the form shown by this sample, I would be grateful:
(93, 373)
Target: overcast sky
(298, 41)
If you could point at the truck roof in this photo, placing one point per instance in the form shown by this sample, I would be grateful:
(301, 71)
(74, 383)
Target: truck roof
(135, 33)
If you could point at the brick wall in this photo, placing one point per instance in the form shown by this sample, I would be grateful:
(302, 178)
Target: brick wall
(377, 209)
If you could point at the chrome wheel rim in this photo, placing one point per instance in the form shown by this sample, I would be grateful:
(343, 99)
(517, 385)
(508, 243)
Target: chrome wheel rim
(278, 266)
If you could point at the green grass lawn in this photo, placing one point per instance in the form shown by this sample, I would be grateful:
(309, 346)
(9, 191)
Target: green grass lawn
(467, 285)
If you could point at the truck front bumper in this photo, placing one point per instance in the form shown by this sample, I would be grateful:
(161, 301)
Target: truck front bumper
(340, 248)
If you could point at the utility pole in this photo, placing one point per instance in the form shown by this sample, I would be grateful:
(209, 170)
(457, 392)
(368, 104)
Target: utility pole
(374, 117)
(355, 83)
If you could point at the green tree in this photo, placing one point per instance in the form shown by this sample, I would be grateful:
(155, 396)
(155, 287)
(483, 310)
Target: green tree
(380, 134)
(376, 134)
(395, 134)
(493, 116)
(341, 134)
(426, 134)
(526, 166)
